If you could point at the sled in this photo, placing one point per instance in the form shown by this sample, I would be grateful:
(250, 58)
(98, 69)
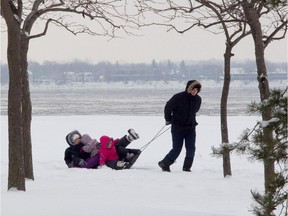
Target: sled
(132, 161)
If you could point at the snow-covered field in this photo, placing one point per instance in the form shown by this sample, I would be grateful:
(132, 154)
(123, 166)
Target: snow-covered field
(144, 189)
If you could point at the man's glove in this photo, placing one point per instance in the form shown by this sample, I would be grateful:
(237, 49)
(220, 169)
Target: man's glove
(167, 123)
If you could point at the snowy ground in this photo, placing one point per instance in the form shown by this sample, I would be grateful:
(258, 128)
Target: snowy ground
(143, 190)
(112, 109)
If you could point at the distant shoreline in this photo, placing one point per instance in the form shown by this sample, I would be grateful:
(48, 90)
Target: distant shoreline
(136, 99)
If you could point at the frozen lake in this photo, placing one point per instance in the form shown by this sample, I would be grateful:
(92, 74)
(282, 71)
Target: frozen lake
(132, 98)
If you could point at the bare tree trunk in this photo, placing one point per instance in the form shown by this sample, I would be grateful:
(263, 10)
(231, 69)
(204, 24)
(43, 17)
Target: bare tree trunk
(26, 110)
(255, 25)
(224, 99)
(16, 175)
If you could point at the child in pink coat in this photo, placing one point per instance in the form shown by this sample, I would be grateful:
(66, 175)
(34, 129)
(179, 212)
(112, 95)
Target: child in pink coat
(107, 150)
(114, 153)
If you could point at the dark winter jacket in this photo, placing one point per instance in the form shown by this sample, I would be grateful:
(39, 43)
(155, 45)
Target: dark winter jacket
(74, 153)
(181, 109)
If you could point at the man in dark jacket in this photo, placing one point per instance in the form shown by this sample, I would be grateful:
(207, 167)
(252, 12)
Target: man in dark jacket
(180, 111)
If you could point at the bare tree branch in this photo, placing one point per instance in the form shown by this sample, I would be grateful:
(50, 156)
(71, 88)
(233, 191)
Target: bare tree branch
(107, 16)
(271, 37)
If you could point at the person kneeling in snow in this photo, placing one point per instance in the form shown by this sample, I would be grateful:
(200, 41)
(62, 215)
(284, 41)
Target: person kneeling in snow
(82, 151)
(114, 153)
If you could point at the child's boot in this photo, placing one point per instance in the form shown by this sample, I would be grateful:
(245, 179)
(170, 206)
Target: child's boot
(132, 135)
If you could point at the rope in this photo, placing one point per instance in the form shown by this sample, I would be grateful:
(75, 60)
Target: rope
(159, 133)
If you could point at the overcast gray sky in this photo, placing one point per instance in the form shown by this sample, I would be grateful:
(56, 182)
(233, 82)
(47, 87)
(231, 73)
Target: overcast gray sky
(61, 46)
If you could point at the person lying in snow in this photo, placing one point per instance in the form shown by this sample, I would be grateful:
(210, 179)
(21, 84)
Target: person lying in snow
(114, 153)
(83, 151)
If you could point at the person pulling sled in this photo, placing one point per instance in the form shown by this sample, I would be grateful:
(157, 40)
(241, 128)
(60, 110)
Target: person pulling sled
(180, 111)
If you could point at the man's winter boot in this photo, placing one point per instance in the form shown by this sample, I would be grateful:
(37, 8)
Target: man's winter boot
(132, 135)
(165, 164)
(164, 167)
(185, 169)
(187, 164)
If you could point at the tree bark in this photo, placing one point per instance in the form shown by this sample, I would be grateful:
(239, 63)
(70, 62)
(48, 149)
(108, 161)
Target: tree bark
(16, 170)
(224, 98)
(255, 25)
(26, 110)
